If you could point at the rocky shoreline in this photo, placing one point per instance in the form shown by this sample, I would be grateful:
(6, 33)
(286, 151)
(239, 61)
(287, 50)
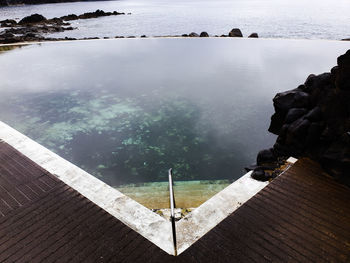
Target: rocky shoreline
(34, 27)
(312, 121)
(32, 2)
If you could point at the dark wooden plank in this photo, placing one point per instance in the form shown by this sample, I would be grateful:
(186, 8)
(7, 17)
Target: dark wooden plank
(302, 216)
(21, 220)
(323, 217)
(295, 236)
(22, 236)
(79, 234)
(259, 225)
(32, 209)
(58, 231)
(326, 199)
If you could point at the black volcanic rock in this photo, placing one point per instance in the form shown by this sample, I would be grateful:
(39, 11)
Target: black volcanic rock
(89, 15)
(235, 32)
(70, 17)
(287, 100)
(193, 34)
(266, 157)
(253, 35)
(294, 114)
(32, 2)
(259, 174)
(313, 121)
(8, 23)
(32, 19)
(342, 80)
(32, 28)
(204, 34)
(315, 114)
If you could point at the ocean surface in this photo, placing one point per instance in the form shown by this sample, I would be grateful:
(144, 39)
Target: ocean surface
(312, 19)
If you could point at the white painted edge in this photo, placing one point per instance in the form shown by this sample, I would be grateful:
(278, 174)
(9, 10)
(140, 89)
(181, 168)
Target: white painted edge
(292, 160)
(202, 219)
(139, 218)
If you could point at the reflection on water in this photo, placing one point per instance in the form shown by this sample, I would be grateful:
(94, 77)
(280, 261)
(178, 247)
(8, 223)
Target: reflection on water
(128, 110)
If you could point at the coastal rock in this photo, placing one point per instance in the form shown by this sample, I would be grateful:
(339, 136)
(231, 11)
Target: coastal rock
(32, 19)
(261, 175)
(298, 129)
(313, 134)
(31, 2)
(277, 120)
(315, 114)
(88, 15)
(7, 35)
(281, 150)
(294, 114)
(193, 34)
(253, 35)
(314, 82)
(336, 159)
(266, 156)
(235, 32)
(98, 13)
(204, 34)
(342, 80)
(284, 101)
(56, 21)
(8, 23)
(313, 121)
(32, 28)
(69, 17)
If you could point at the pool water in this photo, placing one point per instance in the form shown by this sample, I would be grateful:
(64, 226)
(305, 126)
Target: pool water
(127, 110)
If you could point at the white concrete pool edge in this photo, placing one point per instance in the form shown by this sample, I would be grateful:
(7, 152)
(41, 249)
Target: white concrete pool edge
(139, 218)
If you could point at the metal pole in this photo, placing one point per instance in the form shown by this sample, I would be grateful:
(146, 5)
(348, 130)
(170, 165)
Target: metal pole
(172, 209)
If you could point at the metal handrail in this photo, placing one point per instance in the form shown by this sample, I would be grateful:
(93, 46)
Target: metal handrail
(171, 193)
(172, 208)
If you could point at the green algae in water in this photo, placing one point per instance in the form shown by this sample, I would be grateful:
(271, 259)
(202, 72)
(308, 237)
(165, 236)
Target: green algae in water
(126, 140)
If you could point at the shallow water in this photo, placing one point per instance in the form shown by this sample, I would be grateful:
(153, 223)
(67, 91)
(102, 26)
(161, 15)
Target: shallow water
(312, 19)
(127, 110)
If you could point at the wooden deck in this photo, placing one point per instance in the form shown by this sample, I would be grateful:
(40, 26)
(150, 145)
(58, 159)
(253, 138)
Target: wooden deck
(302, 216)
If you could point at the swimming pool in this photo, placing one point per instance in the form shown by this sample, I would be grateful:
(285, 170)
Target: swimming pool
(127, 110)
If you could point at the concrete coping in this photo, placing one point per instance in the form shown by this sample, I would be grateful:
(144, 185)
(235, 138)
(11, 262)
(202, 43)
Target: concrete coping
(139, 218)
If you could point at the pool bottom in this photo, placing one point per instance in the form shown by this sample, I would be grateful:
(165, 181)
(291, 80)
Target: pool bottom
(188, 194)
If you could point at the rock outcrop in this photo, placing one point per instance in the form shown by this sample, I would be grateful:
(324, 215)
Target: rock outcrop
(32, 2)
(32, 28)
(235, 32)
(32, 19)
(204, 34)
(313, 121)
(88, 15)
(193, 34)
(253, 35)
